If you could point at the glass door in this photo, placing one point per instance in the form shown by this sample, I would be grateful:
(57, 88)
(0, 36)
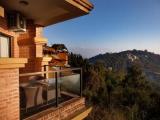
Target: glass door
(4, 46)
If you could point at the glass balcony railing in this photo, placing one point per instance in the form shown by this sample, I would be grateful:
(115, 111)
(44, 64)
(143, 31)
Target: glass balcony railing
(42, 90)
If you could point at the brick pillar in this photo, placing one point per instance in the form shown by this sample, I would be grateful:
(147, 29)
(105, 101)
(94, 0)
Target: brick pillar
(9, 88)
(26, 41)
(42, 62)
(31, 47)
(15, 47)
(39, 41)
(9, 94)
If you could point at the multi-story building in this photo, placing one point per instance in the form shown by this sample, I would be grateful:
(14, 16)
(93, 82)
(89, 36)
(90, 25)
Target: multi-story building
(22, 58)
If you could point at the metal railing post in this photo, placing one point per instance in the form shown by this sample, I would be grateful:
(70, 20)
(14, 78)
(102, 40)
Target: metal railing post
(45, 69)
(60, 72)
(81, 82)
(56, 83)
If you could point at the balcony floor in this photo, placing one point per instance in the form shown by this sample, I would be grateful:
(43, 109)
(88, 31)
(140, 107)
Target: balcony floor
(32, 111)
(64, 111)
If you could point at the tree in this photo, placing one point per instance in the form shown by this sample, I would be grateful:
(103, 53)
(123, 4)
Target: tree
(59, 47)
(96, 84)
(76, 60)
(136, 91)
(117, 94)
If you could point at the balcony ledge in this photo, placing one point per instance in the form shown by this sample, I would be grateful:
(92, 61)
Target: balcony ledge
(81, 114)
(6, 63)
(44, 60)
(40, 40)
(65, 110)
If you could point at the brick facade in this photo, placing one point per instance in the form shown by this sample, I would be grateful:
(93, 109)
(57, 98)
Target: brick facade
(26, 41)
(64, 111)
(9, 79)
(4, 30)
(9, 94)
(31, 46)
(27, 45)
(23, 45)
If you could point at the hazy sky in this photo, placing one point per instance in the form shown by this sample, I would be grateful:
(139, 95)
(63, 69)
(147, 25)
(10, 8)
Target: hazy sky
(112, 26)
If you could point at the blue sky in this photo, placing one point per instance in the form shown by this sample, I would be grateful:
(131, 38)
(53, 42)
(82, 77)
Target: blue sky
(112, 26)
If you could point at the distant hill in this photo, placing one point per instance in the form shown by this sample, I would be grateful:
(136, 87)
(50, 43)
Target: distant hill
(149, 62)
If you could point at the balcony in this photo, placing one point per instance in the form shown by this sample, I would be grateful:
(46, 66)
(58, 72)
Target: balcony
(45, 93)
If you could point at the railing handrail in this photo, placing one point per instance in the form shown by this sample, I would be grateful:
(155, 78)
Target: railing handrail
(56, 79)
(50, 71)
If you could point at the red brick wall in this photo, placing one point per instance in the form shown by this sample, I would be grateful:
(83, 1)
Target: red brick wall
(15, 47)
(3, 23)
(9, 80)
(22, 45)
(28, 48)
(29, 67)
(39, 31)
(9, 94)
(5, 31)
(63, 112)
(26, 41)
(39, 50)
(71, 108)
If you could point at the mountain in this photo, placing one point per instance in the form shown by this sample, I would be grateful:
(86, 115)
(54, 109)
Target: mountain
(149, 62)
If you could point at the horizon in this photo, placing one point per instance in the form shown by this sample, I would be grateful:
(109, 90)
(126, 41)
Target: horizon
(125, 25)
(102, 53)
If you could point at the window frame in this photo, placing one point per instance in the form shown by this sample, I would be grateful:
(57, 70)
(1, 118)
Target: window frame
(10, 43)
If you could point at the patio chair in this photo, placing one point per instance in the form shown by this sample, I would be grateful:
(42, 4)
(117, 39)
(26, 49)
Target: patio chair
(33, 96)
(34, 79)
(49, 91)
(30, 94)
(39, 98)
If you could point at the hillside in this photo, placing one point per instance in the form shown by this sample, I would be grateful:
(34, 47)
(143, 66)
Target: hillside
(149, 62)
(118, 96)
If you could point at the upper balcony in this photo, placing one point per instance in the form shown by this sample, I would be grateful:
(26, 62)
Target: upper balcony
(48, 12)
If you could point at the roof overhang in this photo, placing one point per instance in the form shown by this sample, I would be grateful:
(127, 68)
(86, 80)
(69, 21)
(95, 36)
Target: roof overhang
(48, 12)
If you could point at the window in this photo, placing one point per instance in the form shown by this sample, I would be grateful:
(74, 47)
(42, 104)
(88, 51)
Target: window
(4, 46)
